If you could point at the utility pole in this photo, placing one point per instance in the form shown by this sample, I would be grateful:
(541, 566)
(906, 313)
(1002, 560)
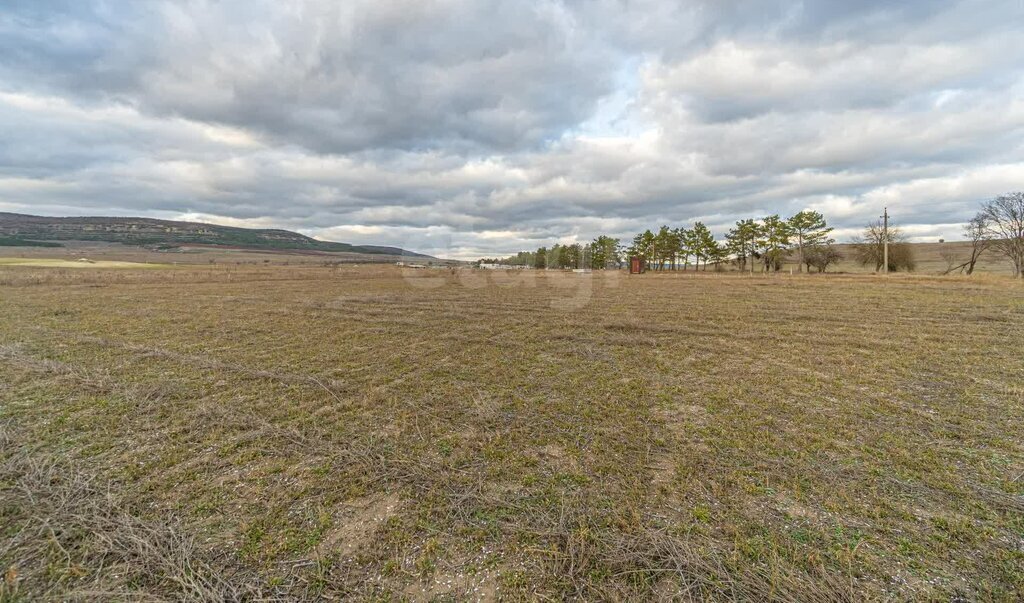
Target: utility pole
(885, 241)
(750, 243)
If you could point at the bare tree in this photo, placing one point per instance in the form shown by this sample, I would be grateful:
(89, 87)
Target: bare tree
(951, 257)
(868, 248)
(821, 257)
(1003, 219)
(975, 231)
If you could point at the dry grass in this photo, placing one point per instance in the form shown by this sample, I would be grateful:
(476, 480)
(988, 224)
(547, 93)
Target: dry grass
(357, 433)
(67, 537)
(74, 264)
(102, 252)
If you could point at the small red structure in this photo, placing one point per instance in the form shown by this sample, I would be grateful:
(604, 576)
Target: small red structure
(637, 265)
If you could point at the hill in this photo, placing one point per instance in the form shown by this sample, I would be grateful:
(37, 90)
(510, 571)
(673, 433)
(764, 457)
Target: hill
(166, 233)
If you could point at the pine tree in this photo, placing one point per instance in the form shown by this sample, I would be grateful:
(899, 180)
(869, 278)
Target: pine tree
(571, 256)
(554, 256)
(687, 246)
(540, 260)
(666, 247)
(643, 246)
(717, 254)
(743, 241)
(809, 229)
(774, 240)
(703, 243)
(605, 252)
(737, 246)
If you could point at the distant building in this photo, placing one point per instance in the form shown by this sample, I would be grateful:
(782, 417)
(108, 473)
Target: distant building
(487, 266)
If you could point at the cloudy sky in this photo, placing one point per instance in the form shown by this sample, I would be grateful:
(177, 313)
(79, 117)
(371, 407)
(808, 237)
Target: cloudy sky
(469, 127)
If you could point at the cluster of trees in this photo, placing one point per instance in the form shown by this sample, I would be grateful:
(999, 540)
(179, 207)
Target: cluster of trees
(766, 243)
(557, 256)
(670, 247)
(751, 243)
(561, 256)
(523, 258)
(603, 252)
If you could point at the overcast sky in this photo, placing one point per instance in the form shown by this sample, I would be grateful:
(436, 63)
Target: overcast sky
(470, 128)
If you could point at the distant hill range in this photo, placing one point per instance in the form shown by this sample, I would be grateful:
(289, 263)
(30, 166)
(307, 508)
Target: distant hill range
(21, 229)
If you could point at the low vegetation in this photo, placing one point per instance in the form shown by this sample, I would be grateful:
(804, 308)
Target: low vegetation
(17, 242)
(303, 432)
(869, 249)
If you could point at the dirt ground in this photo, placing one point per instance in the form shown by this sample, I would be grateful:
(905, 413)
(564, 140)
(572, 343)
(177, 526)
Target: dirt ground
(301, 432)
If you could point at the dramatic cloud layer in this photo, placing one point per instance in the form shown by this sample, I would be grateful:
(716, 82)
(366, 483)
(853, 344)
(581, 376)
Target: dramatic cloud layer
(469, 127)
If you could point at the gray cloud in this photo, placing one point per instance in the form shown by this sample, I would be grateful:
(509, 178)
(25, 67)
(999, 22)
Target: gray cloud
(333, 77)
(469, 128)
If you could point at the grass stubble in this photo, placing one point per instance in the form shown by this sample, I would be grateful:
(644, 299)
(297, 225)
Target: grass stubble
(360, 433)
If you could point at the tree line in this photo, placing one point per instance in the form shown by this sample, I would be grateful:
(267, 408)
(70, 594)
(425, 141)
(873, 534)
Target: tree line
(764, 244)
(750, 243)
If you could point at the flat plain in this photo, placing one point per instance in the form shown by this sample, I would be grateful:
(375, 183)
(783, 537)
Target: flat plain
(368, 433)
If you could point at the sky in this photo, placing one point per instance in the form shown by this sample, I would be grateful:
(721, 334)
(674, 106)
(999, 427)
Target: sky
(473, 128)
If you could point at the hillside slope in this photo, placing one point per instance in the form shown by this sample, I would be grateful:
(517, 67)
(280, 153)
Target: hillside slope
(167, 233)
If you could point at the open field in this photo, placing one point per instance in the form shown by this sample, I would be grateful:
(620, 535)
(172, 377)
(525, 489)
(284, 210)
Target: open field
(75, 264)
(191, 255)
(364, 433)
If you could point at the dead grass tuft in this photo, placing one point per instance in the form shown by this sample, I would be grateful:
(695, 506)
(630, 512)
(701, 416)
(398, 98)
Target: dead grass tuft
(68, 536)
